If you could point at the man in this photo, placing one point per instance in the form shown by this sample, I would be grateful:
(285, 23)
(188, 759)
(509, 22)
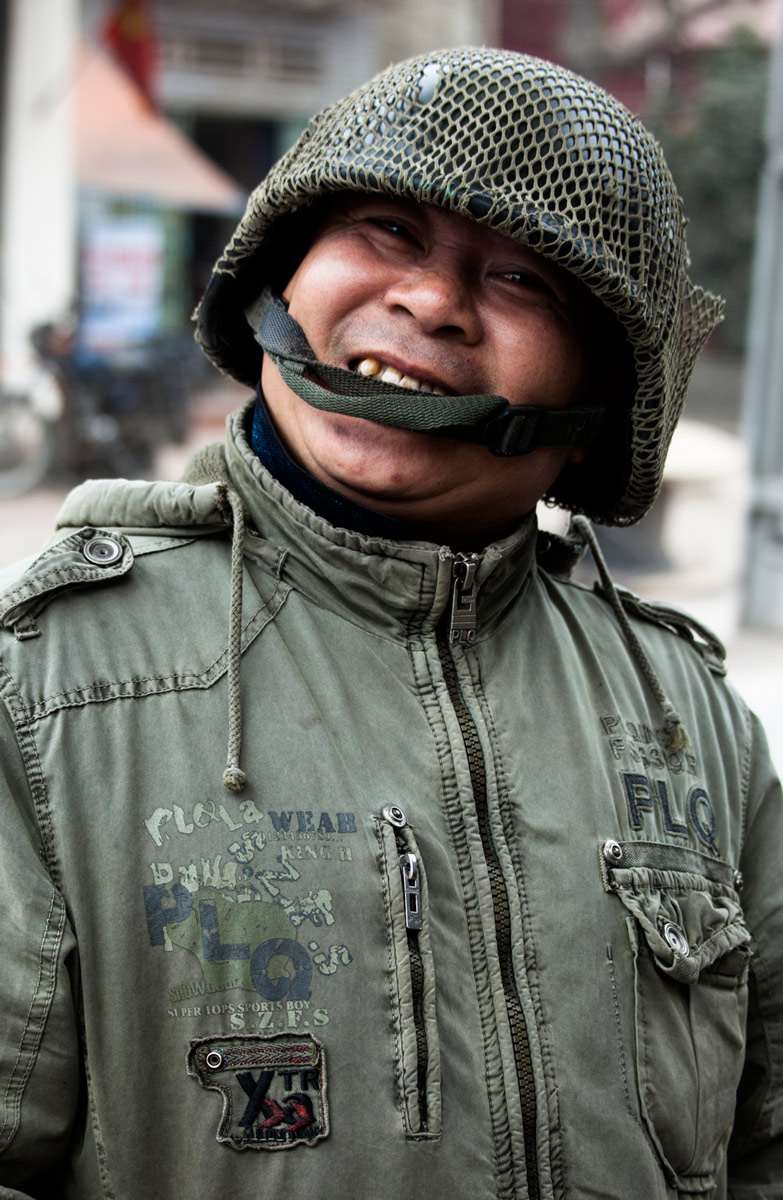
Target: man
(487, 902)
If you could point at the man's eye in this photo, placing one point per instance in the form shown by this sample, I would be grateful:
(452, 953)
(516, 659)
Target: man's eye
(392, 226)
(529, 281)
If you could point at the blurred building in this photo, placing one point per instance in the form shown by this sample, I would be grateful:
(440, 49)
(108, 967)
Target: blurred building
(242, 79)
(90, 210)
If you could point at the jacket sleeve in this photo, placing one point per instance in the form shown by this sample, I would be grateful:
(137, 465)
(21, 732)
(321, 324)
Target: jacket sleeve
(755, 1156)
(39, 1059)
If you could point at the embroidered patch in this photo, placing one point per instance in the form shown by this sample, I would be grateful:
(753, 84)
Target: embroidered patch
(274, 1089)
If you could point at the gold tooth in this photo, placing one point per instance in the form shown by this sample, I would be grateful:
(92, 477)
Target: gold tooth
(368, 366)
(371, 367)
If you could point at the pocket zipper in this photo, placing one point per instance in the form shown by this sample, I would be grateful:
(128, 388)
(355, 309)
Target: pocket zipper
(411, 891)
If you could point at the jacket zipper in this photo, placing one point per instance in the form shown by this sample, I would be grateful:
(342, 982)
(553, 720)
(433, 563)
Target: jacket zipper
(411, 891)
(462, 618)
(462, 631)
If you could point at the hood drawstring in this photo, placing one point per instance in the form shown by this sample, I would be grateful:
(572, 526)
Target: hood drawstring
(676, 734)
(234, 777)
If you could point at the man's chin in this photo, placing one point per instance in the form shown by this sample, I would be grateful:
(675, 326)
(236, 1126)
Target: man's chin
(386, 465)
(389, 492)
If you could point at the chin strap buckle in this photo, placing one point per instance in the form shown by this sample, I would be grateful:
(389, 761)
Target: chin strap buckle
(520, 429)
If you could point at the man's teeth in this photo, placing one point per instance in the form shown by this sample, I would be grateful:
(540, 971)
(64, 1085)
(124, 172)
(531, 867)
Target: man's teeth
(372, 367)
(368, 366)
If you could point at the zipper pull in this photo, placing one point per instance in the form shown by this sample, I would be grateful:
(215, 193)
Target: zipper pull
(462, 626)
(411, 890)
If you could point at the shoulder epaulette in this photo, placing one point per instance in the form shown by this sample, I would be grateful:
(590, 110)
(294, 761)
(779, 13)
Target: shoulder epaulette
(83, 557)
(708, 644)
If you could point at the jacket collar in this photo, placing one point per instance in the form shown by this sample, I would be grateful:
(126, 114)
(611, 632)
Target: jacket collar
(395, 587)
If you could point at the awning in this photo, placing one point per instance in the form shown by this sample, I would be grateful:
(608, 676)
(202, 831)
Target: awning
(125, 149)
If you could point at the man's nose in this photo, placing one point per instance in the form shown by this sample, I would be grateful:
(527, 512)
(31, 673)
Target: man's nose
(440, 299)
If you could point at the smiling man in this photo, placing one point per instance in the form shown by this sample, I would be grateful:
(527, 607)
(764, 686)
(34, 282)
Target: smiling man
(424, 298)
(487, 899)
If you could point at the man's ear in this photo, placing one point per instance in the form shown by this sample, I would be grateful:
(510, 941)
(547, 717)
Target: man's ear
(578, 454)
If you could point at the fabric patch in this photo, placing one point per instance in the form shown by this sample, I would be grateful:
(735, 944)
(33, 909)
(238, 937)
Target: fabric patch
(274, 1089)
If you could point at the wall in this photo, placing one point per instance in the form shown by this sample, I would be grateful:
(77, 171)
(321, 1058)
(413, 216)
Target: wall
(38, 218)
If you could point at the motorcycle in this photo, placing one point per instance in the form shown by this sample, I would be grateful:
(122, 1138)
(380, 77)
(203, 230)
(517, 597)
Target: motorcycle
(85, 415)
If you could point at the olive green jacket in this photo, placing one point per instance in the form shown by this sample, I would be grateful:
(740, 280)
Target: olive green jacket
(474, 927)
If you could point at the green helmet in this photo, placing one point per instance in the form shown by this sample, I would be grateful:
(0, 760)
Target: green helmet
(537, 154)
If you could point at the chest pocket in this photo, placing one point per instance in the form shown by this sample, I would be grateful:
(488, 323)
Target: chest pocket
(690, 949)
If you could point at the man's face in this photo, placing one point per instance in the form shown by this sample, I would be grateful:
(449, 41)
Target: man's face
(451, 305)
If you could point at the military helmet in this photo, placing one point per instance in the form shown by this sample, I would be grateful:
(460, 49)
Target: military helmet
(540, 155)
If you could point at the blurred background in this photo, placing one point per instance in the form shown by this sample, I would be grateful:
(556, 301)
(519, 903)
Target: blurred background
(132, 131)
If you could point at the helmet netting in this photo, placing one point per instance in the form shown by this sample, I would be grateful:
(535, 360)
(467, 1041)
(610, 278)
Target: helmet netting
(537, 154)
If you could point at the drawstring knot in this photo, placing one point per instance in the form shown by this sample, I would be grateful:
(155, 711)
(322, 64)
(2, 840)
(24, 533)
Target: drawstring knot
(674, 730)
(676, 733)
(234, 777)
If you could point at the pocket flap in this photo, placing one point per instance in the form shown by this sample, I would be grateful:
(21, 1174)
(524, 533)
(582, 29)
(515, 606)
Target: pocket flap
(692, 925)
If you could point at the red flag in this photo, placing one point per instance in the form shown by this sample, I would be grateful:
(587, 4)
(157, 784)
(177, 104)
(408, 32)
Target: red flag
(129, 31)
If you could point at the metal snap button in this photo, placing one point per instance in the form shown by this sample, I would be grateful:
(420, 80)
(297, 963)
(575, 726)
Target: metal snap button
(395, 816)
(102, 551)
(676, 939)
(613, 852)
(214, 1060)
(739, 880)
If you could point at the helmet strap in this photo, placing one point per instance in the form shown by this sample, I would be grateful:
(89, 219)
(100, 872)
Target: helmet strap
(487, 420)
